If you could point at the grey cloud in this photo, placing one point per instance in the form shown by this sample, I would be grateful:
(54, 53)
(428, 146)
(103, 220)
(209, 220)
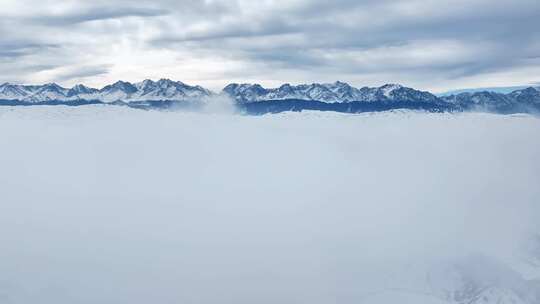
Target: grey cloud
(228, 33)
(78, 72)
(11, 53)
(303, 39)
(98, 13)
(324, 27)
(13, 49)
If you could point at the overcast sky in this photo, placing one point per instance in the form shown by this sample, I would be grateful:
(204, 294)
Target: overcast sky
(431, 45)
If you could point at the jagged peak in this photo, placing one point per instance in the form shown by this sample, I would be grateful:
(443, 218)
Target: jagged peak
(54, 85)
(341, 84)
(530, 89)
(120, 85)
(201, 88)
(147, 81)
(82, 86)
(164, 82)
(160, 81)
(244, 85)
(286, 85)
(167, 80)
(121, 82)
(392, 86)
(50, 87)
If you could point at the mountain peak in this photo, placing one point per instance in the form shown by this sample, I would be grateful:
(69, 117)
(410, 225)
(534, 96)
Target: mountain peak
(244, 86)
(122, 86)
(528, 89)
(391, 86)
(147, 81)
(52, 85)
(341, 83)
(167, 80)
(146, 84)
(122, 83)
(388, 89)
(80, 89)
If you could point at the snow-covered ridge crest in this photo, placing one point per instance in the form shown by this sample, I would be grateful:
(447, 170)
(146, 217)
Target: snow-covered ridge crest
(254, 98)
(120, 91)
(337, 92)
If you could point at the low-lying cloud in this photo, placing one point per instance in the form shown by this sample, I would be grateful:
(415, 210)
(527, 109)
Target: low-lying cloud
(120, 205)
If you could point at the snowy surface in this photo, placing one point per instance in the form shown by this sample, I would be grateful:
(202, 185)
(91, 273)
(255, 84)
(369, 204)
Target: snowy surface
(104, 204)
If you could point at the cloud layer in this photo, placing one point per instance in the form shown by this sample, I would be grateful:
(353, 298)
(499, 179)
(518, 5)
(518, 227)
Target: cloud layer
(421, 43)
(114, 205)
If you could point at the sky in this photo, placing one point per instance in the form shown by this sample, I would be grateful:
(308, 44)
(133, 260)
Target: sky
(426, 44)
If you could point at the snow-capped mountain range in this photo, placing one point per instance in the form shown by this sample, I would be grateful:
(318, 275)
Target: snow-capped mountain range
(338, 92)
(519, 100)
(120, 91)
(253, 98)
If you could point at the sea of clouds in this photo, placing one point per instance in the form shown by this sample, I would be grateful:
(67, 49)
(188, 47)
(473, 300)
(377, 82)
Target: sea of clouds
(103, 204)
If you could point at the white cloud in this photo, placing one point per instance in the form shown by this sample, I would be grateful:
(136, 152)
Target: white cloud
(109, 205)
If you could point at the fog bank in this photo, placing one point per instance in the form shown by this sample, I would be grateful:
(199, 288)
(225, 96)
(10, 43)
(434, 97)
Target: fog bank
(125, 206)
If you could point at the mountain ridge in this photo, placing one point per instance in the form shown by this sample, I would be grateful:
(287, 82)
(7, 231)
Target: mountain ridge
(254, 98)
